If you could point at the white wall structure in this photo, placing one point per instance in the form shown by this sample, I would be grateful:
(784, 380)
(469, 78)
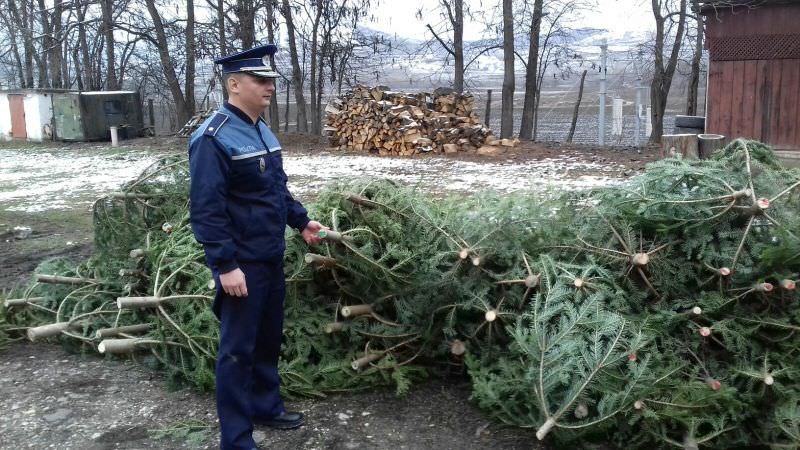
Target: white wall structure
(616, 125)
(5, 118)
(38, 116)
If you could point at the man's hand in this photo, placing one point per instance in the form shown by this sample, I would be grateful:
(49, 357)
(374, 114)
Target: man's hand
(310, 232)
(233, 283)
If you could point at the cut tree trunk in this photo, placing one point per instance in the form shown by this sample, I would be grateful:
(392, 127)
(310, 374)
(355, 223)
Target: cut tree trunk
(709, 143)
(685, 145)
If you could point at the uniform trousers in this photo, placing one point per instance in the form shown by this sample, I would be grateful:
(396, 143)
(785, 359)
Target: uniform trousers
(251, 331)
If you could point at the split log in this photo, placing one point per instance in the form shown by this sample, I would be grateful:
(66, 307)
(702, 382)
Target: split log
(378, 120)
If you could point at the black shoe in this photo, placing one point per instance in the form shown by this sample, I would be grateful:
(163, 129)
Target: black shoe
(285, 421)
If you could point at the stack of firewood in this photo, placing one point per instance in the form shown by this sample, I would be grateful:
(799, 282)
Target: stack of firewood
(378, 120)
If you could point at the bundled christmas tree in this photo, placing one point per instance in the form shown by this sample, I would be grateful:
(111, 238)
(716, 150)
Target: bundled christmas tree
(661, 312)
(692, 340)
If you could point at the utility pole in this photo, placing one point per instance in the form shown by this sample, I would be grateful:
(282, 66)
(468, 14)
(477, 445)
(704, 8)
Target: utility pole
(638, 110)
(601, 132)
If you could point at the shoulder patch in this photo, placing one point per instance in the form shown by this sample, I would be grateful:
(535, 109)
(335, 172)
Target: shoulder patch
(215, 124)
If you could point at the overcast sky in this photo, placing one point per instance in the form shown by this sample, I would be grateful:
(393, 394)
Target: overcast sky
(617, 16)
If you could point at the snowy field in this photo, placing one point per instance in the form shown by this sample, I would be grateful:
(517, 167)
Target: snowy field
(42, 178)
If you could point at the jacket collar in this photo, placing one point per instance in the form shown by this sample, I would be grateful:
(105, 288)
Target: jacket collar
(239, 113)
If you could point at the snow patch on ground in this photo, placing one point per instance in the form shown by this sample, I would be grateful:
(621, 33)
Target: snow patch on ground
(34, 180)
(440, 174)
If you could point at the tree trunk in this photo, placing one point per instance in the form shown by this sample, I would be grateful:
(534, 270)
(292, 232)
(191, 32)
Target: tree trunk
(28, 44)
(47, 45)
(246, 12)
(11, 20)
(274, 114)
(577, 107)
(458, 45)
(86, 64)
(297, 80)
(166, 64)
(76, 59)
(190, 60)
(107, 7)
(507, 109)
(315, 114)
(320, 82)
(223, 45)
(531, 73)
(662, 76)
(57, 71)
(694, 78)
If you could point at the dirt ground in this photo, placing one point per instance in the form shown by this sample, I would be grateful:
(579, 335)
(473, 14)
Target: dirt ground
(53, 399)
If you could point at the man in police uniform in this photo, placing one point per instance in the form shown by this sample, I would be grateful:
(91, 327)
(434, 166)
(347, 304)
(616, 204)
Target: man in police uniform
(240, 207)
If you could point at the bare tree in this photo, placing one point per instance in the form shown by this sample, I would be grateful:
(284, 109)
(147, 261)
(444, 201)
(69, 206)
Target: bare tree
(577, 108)
(667, 14)
(107, 7)
(318, 8)
(86, 80)
(297, 78)
(9, 17)
(246, 25)
(694, 77)
(453, 12)
(507, 108)
(184, 106)
(531, 72)
(272, 28)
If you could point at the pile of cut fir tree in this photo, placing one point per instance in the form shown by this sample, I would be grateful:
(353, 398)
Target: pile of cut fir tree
(661, 312)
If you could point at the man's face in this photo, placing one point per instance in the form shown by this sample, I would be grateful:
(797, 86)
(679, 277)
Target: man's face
(253, 91)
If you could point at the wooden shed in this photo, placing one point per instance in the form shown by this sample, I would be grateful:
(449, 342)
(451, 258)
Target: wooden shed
(49, 114)
(754, 70)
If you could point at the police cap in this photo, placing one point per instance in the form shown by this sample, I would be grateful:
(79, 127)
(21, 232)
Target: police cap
(254, 61)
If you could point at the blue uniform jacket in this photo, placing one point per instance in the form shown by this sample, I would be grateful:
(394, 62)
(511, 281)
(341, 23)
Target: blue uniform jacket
(239, 202)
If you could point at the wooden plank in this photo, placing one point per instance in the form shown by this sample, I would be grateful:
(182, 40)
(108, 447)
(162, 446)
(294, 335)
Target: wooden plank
(775, 113)
(790, 80)
(748, 129)
(713, 111)
(777, 19)
(765, 100)
(726, 100)
(758, 111)
(796, 125)
(737, 101)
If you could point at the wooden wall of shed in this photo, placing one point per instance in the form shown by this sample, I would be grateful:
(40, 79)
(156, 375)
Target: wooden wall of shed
(755, 98)
(778, 19)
